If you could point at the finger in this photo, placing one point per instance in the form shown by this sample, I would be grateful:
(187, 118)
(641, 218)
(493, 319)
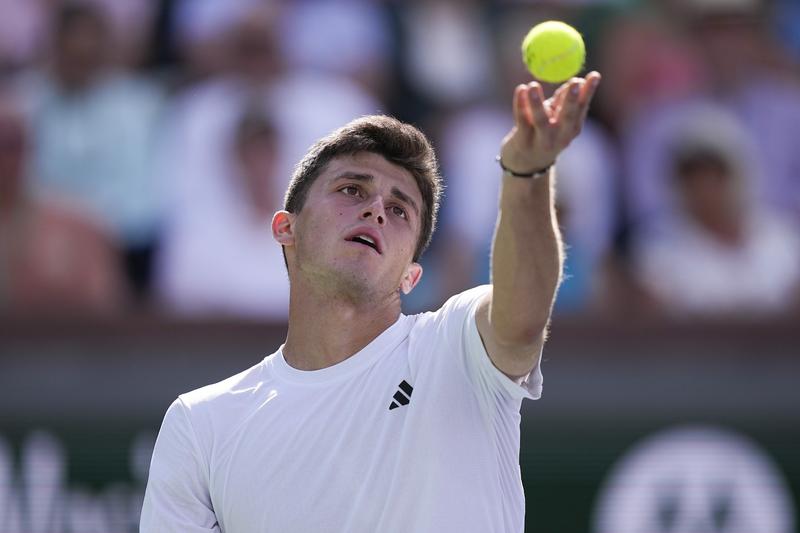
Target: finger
(569, 119)
(536, 104)
(518, 107)
(589, 89)
(558, 99)
(570, 109)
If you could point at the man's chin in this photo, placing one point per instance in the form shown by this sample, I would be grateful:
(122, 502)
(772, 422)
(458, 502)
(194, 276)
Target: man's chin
(353, 278)
(358, 286)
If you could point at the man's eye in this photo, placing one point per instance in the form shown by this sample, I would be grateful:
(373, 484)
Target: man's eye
(399, 211)
(351, 190)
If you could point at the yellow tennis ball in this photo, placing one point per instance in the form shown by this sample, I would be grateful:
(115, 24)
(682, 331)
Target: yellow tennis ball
(553, 51)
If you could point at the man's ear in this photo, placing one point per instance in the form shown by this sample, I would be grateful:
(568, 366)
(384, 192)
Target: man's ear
(411, 278)
(283, 228)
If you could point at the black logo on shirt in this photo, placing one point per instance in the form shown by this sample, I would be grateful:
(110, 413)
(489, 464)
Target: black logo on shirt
(399, 397)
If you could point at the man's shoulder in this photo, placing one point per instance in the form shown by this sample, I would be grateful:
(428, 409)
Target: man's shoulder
(444, 327)
(230, 392)
(460, 303)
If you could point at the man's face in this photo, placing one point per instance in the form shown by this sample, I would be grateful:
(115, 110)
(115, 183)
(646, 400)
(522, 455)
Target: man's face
(709, 193)
(81, 50)
(358, 229)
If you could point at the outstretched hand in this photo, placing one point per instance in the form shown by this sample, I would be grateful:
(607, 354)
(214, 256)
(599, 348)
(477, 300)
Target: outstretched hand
(543, 128)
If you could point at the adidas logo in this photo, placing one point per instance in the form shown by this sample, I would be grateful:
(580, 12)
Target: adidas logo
(399, 397)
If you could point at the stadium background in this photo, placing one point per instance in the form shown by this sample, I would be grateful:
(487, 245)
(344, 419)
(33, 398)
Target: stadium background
(206, 105)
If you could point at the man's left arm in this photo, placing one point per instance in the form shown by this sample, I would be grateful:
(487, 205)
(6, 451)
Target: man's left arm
(527, 253)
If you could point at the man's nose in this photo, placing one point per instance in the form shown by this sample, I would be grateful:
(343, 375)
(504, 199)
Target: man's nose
(374, 210)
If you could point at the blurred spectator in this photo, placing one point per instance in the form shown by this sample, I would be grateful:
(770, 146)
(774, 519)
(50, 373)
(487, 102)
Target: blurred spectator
(753, 74)
(26, 29)
(737, 41)
(131, 23)
(447, 50)
(53, 258)
(351, 38)
(94, 133)
(220, 257)
(746, 73)
(646, 146)
(645, 62)
(199, 32)
(718, 251)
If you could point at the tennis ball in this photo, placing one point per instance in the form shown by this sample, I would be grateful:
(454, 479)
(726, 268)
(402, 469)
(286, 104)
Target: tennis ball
(553, 51)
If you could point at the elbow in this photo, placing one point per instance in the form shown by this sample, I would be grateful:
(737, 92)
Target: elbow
(522, 335)
(520, 329)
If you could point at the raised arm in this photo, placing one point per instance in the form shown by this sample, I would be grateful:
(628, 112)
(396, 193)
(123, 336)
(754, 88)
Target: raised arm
(527, 253)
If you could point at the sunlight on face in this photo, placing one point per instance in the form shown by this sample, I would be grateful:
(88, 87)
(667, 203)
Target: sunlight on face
(358, 229)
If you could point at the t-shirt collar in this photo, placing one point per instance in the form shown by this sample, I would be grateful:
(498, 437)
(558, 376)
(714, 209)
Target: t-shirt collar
(372, 352)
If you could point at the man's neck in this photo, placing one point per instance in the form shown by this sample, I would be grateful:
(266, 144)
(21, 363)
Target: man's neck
(325, 330)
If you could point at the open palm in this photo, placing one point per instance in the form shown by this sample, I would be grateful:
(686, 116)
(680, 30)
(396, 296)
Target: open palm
(543, 128)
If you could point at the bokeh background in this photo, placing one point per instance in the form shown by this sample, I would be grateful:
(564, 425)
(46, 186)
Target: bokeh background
(145, 144)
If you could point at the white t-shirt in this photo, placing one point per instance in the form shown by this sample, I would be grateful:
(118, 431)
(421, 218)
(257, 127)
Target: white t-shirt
(418, 432)
(691, 271)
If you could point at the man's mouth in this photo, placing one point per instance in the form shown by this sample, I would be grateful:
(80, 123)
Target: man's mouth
(365, 240)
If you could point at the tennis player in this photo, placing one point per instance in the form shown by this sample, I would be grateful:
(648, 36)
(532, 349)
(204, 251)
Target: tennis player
(365, 419)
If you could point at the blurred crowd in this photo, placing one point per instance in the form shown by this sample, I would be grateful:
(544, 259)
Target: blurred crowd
(145, 144)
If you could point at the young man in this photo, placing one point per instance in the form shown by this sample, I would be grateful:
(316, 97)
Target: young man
(367, 420)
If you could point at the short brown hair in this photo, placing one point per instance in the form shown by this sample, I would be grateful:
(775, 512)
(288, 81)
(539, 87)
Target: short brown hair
(398, 142)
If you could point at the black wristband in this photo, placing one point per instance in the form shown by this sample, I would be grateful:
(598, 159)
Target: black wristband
(531, 175)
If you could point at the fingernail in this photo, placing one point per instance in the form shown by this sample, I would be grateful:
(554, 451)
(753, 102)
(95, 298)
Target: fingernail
(574, 88)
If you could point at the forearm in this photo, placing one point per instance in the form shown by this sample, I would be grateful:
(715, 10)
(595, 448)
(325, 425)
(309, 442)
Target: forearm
(527, 260)
(527, 254)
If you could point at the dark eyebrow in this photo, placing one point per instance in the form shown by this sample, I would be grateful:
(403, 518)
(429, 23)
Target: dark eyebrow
(397, 193)
(403, 197)
(354, 176)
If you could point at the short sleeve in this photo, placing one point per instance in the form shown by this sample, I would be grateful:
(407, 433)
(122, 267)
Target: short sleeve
(458, 322)
(483, 372)
(177, 498)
